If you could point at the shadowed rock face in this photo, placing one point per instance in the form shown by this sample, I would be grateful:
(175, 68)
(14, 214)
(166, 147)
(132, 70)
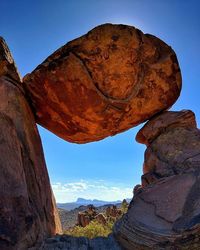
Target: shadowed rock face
(67, 242)
(165, 211)
(27, 206)
(105, 82)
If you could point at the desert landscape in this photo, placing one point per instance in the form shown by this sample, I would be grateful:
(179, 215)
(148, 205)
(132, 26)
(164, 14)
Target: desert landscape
(113, 78)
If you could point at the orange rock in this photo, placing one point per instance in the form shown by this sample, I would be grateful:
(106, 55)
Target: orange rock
(105, 82)
(27, 207)
(113, 211)
(164, 121)
(83, 219)
(101, 219)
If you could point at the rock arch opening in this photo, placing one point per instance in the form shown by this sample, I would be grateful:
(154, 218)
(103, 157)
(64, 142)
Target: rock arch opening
(100, 166)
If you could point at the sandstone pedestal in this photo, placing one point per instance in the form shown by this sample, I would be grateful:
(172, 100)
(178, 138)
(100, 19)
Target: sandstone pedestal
(165, 211)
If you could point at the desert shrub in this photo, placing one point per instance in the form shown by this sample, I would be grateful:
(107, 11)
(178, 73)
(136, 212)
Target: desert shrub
(95, 228)
(92, 230)
(124, 206)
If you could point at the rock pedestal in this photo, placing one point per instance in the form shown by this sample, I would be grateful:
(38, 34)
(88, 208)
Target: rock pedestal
(165, 211)
(27, 207)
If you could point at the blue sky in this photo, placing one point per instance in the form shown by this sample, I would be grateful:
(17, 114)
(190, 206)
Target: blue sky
(108, 169)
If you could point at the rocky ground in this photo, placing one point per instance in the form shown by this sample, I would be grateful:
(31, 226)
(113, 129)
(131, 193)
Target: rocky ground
(66, 242)
(69, 219)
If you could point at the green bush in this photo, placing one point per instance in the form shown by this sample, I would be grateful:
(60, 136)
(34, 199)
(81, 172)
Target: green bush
(95, 228)
(124, 206)
(92, 230)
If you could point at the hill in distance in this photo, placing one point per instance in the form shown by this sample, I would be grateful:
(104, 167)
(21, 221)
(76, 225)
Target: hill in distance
(85, 202)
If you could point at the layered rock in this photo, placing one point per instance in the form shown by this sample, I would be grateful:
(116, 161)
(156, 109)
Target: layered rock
(27, 207)
(165, 210)
(173, 145)
(105, 82)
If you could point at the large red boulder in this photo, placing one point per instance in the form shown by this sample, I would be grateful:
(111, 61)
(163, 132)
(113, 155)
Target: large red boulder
(107, 81)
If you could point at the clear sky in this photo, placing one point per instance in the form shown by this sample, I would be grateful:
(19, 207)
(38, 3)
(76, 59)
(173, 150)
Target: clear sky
(33, 29)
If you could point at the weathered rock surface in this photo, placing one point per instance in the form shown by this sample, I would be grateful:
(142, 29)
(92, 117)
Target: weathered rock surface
(113, 211)
(85, 217)
(167, 120)
(7, 64)
(173, 141)
(101, 218)
(27, 206)
(91, 214)
(105, 82)
(165, 211)
(66, 242)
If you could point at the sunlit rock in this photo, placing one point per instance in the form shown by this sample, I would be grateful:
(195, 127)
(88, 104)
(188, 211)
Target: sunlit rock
(27, 207)
(107, 81)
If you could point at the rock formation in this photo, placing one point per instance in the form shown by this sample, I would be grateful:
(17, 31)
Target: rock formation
(85, 217)
(113, 211)
(165, 211)
(173, 145)
(101, 218)
(107, 81)
(27, 207)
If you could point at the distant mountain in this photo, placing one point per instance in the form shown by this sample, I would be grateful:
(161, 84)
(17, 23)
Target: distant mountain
(85, 202)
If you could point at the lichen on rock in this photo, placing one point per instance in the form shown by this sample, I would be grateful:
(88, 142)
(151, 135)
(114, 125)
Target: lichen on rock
(103, 83)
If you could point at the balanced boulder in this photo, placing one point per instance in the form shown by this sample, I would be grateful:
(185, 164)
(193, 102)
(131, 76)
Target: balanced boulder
(105, 82)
